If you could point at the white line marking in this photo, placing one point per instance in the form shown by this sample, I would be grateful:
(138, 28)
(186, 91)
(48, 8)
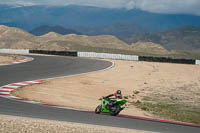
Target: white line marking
(10, 86)
(33, 82)
(5, 89)
(22, 84)
(16, 62)
(5, 93)
(32, 102)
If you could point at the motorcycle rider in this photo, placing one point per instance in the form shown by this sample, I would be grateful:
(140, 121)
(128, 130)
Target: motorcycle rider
(117, 94)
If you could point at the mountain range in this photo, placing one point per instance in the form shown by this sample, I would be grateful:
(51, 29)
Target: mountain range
(181, 38)
(73, 16)
(117, 30)
(57, 29)
(16, 38)
(131, 26)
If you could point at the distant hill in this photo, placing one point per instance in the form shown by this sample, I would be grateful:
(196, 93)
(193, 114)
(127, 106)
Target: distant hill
(11, 37)
(19, 39)
(182, 38)
(30, 17)
(118, 30)
(58, 29)
(15, 38)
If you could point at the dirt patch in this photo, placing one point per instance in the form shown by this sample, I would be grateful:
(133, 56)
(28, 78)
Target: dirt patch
(7, 59)
(139, 81)
(11, 124)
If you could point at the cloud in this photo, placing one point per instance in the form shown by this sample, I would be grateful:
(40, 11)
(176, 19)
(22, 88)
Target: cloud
(156, 6)
(17, 2)
(170, 6)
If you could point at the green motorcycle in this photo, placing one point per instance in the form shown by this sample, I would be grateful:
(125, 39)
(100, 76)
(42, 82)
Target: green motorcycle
(114, 107)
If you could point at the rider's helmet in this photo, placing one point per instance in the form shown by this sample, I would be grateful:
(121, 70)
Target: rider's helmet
(118, 94)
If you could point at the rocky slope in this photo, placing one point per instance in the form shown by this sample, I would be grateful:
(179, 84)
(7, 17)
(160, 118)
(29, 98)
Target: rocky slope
(182, 38)
(149, 46)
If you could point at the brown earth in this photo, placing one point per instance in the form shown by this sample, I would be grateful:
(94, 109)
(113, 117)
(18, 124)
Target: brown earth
(11, 124)
(154, 82)
(7, 59)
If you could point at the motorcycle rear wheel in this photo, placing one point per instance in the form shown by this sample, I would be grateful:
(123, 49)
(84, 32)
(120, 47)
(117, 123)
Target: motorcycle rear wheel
(98, 109)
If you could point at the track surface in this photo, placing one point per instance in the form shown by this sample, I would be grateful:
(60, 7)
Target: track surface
(47, 67)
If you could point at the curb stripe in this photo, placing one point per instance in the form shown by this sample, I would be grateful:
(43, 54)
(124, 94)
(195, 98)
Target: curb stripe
(18, 85)
(19, 99)
(4, 94)
(16, 62)
(27, 59)
(11, 88)
(21, 84)
(159, 120)
(35, 81)
(26, 83)
(39, 81)
(4, 91)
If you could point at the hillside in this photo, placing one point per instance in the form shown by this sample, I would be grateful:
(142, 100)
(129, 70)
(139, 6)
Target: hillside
(41, 30)
(19, 39)
(182, 38)
(149, 46)
(16, 38)
(120, 30)
(10, 37)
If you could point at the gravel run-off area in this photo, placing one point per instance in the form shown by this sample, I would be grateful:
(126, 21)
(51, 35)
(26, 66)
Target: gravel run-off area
(13, 124)
(7, 59)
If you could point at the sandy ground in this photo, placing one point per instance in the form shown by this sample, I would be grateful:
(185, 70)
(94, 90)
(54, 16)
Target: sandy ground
(7, 59)
(11, 124)
(156, 82)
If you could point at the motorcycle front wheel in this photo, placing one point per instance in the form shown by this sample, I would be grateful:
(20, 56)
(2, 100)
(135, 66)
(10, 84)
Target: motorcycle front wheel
(114, 110)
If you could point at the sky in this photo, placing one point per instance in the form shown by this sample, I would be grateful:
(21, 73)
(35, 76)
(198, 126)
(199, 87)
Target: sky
(155, 6)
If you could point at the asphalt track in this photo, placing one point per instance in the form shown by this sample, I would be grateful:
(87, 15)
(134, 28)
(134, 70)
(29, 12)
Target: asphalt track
(53, 66)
